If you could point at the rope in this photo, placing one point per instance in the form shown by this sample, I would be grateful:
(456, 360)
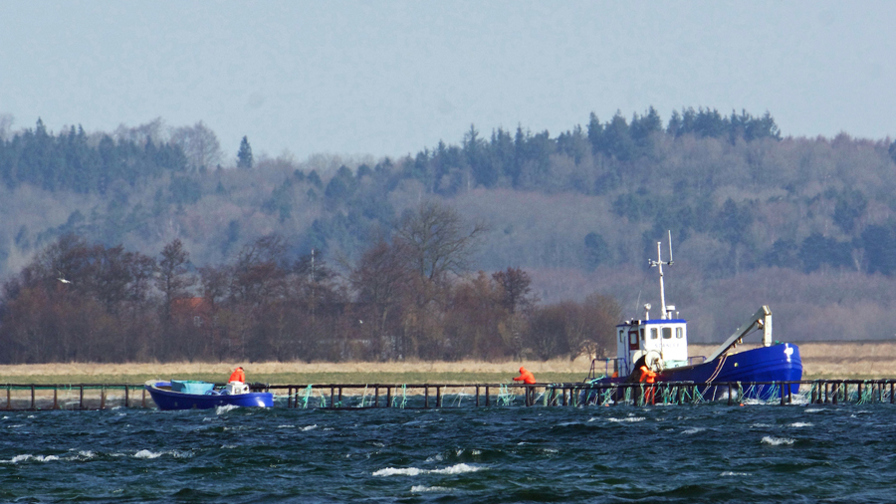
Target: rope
(718, 370)
(505, 397)
(364, 397)
(608, 396)
(307, 396)
(459, 397)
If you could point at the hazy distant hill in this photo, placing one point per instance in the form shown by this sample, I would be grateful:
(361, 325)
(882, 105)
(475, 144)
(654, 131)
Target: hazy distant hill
(805, 225)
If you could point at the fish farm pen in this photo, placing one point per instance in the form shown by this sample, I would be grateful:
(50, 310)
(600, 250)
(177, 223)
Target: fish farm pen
(448, 395)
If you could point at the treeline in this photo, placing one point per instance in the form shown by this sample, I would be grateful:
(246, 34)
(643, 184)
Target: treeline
(701, 174)
(69, 162)
(739, 196)
(522, 160)
(409, 296)
(802, 205)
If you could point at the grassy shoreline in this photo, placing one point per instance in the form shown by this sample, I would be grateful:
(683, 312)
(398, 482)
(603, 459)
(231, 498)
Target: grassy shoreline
(820, 360)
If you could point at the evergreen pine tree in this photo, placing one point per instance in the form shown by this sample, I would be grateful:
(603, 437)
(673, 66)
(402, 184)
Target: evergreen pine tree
(244, 156)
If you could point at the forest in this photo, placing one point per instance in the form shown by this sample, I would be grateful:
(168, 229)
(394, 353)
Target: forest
(756, 217)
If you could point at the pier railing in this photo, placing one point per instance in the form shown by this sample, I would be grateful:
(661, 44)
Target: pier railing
(453, 395)
(82, 396)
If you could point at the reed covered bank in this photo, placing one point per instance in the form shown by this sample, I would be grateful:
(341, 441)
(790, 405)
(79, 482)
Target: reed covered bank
(820, 360)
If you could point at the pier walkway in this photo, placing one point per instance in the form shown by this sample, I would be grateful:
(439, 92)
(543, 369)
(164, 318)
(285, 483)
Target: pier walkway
(452, 395)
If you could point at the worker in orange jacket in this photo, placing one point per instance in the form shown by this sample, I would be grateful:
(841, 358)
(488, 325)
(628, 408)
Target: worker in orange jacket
(525, 376)
(648, 376)
(528, 378)
(238, 375)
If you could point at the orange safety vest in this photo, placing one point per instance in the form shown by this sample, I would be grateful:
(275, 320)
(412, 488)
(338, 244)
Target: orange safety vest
(238, 375)
(647, 375)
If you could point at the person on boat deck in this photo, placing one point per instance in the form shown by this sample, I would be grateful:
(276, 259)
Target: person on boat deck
(525, 376)
(238, 375)
(649, 376)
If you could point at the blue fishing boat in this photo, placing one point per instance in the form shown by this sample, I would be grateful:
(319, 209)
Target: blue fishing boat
(192, 394)
(660, 345)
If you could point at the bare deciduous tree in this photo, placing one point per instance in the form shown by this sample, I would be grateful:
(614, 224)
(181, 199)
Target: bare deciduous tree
(173, 280)
(436, 240)
(200, 145)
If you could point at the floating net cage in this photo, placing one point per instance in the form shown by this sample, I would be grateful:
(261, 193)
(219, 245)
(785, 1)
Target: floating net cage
(408, 396)
(425, 396)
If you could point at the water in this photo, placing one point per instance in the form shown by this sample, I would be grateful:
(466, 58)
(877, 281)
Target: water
(706, 453)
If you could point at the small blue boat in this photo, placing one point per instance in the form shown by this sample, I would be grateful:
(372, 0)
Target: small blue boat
(661, 345)
(191, 394)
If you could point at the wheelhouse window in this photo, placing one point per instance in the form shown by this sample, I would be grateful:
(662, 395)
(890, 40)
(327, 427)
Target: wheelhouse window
(667, 333)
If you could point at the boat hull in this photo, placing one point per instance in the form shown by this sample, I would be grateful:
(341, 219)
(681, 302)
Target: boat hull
(758, 373)
(167, 399)
(766, 367)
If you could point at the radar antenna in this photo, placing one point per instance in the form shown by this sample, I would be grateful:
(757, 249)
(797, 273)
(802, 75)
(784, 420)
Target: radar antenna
(659, 264)
(670, 247)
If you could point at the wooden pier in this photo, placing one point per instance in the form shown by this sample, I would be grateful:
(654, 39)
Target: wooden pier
(346, 396)
(83, 396)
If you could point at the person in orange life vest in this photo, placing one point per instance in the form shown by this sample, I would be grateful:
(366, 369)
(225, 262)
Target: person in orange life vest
(525, 376)
(647, 375)
(238, 375)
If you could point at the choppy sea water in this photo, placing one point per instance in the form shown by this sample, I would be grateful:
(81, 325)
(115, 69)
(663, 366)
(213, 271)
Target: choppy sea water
(705, 453)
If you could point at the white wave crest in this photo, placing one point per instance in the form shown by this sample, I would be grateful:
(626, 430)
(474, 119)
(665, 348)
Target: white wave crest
(394, 471)
(627, 419)
(220, 410)
(424, 489)
(798, 425)
(732, 473)
(29, 457)
(414, 471)
(769, 440)
(146, 454)
(309, 427)
(693, 430)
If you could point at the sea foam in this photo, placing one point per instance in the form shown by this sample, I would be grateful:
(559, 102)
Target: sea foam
(424, 489)
(146, 454)
(769, 440)
(414, 471)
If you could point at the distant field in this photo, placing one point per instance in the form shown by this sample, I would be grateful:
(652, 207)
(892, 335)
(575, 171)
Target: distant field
(820, 360)
(299, 373)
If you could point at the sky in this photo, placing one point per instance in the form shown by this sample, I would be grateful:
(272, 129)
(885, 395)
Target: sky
(357, 78)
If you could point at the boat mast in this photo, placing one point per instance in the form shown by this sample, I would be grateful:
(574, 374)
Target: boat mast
(659, 264)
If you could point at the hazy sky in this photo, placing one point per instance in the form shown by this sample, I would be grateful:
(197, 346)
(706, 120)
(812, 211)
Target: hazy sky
(391, 78)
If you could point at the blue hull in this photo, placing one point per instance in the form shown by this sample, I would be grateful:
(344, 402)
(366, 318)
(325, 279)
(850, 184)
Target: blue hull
(777, 363)
(754, 370)
(166, 399)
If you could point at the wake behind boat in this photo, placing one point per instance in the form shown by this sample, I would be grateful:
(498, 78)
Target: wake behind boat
(192, 394)
(656, 350)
